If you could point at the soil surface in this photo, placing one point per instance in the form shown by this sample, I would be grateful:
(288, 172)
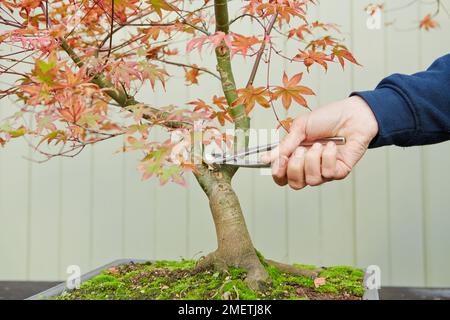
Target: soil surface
(178, 280)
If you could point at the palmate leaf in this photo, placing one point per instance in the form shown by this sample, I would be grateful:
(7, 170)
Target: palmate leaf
(160, 5)
(45, 71)
(251, 96)
(291, 90)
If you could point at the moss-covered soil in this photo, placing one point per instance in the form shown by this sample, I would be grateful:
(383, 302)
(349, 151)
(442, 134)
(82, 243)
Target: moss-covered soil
(178, 280)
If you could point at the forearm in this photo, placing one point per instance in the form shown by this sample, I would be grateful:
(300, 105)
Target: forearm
(412, 110)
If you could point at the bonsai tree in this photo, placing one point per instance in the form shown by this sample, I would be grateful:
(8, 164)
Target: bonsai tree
(77, 66)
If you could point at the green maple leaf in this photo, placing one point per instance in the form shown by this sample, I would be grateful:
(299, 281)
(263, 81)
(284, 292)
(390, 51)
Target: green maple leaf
(159, 6)
(45, 71)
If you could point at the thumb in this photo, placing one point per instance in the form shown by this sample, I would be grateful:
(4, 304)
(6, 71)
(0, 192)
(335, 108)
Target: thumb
(296, 135)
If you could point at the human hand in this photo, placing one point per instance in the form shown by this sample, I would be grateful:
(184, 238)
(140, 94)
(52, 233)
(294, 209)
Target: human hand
(298, 166)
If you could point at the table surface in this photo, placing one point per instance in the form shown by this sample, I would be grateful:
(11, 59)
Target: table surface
(18, 290)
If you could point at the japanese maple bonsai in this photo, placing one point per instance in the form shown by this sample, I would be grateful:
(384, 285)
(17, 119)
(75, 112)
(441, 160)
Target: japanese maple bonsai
(73, 71)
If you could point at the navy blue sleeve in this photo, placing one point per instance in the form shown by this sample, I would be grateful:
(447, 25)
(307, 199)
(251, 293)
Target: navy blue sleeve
(412, 110)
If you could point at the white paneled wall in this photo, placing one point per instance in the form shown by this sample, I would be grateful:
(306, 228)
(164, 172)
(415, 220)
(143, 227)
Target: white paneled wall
(393, 211)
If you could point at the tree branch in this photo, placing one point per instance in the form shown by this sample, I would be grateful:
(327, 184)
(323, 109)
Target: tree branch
(179, 64)
(118, 94)
(261, 51)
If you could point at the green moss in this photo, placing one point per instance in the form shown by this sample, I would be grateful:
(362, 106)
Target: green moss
(177, 280)
(343, 279)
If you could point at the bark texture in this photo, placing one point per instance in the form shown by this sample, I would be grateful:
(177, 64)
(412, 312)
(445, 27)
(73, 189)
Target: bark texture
(235, 247)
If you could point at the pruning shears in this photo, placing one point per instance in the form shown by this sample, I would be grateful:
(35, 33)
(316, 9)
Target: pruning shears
(240, 160)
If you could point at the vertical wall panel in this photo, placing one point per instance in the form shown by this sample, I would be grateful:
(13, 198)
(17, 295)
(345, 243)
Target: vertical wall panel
(44, 219)
(371, 186)
(404, 165)
(14, 212)
(76, 212)
(107, 202)
(139, 211)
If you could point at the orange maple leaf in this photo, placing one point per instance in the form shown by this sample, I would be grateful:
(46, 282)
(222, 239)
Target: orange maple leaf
(242, 44)
(222, 116)
(286, 124)
(191, 75)
(220, 102)
(340, 52)
(299, 32)
(199, 104)
(310, 57)
(73, 112)
(428, 23)
(250, 96)
(291, 90)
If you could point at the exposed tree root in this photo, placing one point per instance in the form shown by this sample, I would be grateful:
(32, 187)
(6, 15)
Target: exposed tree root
(286, 268)
(257, 277)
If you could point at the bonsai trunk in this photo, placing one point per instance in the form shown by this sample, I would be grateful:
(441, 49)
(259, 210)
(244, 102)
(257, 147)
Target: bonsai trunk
(234, 245)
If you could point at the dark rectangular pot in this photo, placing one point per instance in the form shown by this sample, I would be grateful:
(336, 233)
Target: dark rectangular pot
(61, 288)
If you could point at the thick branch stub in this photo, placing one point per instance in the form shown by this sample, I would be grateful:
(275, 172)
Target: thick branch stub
(221, 13)
(242, 121)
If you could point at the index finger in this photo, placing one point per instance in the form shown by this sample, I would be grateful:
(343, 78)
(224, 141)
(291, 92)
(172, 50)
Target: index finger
(295, 137)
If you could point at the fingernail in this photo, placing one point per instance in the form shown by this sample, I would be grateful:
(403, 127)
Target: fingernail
(265, 158)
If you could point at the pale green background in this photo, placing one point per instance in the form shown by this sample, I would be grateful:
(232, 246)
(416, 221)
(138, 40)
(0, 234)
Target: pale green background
(393, 211)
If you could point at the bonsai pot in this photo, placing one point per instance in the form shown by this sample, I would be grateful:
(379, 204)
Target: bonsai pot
(61, 289)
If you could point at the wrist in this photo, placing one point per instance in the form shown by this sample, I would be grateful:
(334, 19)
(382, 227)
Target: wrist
(363, 114)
